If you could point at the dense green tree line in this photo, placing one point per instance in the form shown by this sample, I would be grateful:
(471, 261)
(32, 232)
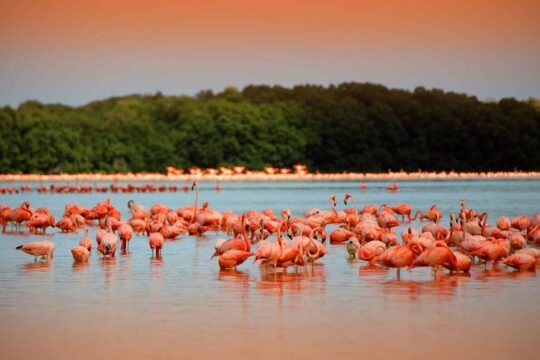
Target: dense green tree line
(349, 127)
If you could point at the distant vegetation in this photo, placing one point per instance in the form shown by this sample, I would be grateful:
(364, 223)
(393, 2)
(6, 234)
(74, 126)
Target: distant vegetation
(349, 127)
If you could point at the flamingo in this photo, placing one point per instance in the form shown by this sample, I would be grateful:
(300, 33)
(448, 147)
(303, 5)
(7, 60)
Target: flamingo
(433, 214)
(371, 249)
(268, 252)
(398, 256)
(310, 246)
(80, 254)
(86, 241)
(530, 251)
(108, 241)
(492, 250)
(463, 263)
(521, 222)
(4, 211)
(436, 257)
(352, 219)
(20, 215)
(400, 209)
(234, 243)
(521, 262)
(135, 208)
(233, 257)
(393, 187)
(517, 240)
(504, 223)
(38, 248)
(156, 243)
(125, 232)
(340, 235)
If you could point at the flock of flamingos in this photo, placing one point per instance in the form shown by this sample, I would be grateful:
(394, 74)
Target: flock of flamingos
(368, 233)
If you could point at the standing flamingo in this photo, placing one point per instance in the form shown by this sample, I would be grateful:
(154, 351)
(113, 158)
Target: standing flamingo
(108, 241)
(436, 257)
(231, 258)
(38, 248)
(86, 241)
(125, 231)
(398, 256)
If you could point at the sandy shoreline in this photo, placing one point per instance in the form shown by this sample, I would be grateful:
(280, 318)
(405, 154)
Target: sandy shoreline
(260, 176)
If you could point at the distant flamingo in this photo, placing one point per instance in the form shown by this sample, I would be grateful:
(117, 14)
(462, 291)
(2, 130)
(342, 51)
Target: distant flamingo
(135, 208)
(433, 214)
(400, 209)
(20, 215)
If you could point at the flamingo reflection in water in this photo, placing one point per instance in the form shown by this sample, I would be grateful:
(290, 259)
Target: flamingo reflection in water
(443, 289)
(108, 264)
(282, 281)
(37, 266)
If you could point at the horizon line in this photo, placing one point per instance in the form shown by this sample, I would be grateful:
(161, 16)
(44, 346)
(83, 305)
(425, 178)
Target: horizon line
(490, 99)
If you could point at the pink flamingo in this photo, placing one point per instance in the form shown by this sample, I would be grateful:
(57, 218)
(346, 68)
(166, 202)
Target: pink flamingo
(397, 256)
(108, 241)
(38, 248)
(125, 232)
(80, 254)
(371, 249)
(521, 262)
(156, 243)
(86, 241)
(436, 257)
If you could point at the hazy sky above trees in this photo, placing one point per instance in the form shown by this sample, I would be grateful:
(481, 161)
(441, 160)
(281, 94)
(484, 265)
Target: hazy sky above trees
(77, 51)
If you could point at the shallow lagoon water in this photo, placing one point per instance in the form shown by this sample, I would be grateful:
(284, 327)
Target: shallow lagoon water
(182, 306)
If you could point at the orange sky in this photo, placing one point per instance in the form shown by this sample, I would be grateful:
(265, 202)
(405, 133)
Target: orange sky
(183, 46)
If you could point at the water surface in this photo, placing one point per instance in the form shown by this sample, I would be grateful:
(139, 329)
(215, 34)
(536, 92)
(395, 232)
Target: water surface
(182, 306)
